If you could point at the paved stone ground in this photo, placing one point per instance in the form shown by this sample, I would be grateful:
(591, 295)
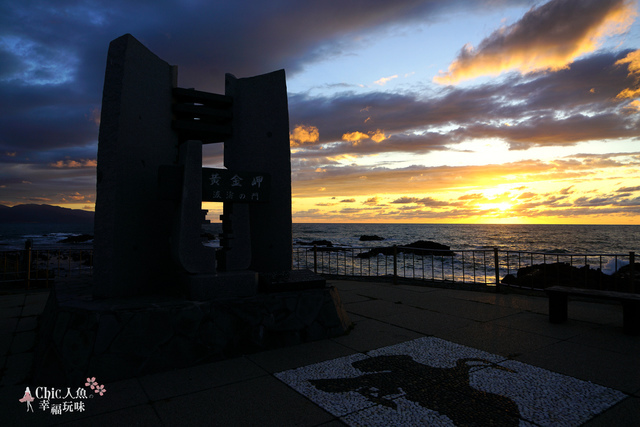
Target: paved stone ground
(590, 365)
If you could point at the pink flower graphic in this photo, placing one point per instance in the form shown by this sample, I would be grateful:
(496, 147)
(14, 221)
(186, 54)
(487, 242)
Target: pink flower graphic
(91, 382)
(100, 389)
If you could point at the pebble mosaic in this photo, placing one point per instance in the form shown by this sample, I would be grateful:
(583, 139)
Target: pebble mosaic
(430, 381)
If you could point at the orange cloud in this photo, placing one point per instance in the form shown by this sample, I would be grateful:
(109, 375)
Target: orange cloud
(633, 59)
(75, 196)
(569, 29)
(83, 163)
(304, 134)
(378, 136)
(354, 136)
(371, 201)
(633, 107)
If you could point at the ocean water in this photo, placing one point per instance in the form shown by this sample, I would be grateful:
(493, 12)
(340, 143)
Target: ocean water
(579, 239)
(518, 245)
(42, 236)
(608, 245)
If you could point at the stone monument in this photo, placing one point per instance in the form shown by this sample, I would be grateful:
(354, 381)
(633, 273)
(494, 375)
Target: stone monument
(160, 299)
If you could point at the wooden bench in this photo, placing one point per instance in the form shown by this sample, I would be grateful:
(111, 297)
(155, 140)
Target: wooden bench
(558, 301)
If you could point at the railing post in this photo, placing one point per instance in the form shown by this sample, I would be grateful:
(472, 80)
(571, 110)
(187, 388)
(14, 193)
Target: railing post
(28, 266)
(395, 264)
(632, 281)
(315, 259)
(496, 263)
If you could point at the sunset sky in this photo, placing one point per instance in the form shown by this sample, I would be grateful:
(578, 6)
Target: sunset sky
(452, 111)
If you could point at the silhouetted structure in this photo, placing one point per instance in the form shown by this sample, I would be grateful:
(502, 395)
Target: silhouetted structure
(160, 299)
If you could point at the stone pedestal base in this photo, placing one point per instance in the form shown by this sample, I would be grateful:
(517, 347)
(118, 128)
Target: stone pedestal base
(293, 280)
(114, 339)
(204, 287)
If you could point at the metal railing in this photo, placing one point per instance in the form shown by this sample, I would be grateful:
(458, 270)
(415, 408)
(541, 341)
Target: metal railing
(41, 267)
(489, 267)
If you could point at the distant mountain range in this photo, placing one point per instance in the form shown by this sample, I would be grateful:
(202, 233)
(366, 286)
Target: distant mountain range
(44, 214)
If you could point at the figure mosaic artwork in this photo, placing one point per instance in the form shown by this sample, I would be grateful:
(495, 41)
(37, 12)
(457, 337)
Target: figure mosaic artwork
(430, 381)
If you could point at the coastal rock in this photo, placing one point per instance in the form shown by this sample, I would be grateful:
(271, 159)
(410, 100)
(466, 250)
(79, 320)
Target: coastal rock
(421, 247)
(324, 243)
(542, 276)
(77, 239)
(366, 238)
(624, 272)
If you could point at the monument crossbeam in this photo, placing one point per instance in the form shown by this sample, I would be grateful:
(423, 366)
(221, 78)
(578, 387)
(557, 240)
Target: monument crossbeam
(201, 116)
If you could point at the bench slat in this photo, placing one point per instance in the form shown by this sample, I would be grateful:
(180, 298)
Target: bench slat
(558, 302)
(613, 295)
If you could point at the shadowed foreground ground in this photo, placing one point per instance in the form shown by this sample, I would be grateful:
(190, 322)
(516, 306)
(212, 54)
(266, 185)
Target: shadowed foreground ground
(454, 340)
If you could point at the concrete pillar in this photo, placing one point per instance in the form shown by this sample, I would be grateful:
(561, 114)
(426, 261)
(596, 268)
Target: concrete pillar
(132, 224)
(260, 143)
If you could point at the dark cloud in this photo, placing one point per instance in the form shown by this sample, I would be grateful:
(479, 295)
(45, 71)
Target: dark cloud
(573, 105)
(628, 189)
(549, 36)
(53, 56)
(425, 201)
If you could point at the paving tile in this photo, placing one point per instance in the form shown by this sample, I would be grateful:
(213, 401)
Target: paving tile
(388, 293)
(415, 288)
(33, 309)
(299, 355)
(498, 339)
(539, 324)
(8, 312)
(11, 301)
(594, 312)
(23, 342)
(427, 322)
(378, 309)
(27, 324)
(5, 343)
(371, 334)
(143, 415)
(197, 378)
(8, 325)
(356, 318)
(536, 304)
(467, 309)
(348, 285)
(625, 413)
(348, 297)
(607, 368)
(608, 337)
(333, 423)
(17, 369)
(262, 401)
